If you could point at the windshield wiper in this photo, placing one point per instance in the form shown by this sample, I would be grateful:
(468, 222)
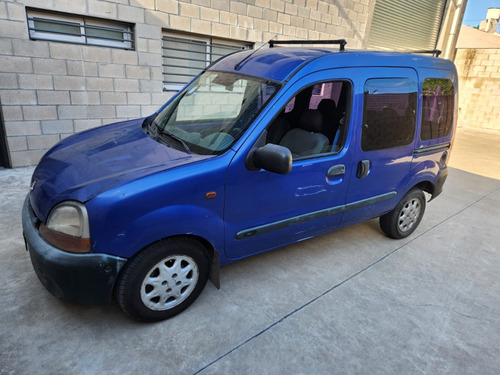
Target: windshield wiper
(152, 129)
(163, 133)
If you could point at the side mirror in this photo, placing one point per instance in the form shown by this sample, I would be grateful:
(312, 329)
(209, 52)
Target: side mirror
(273, 158)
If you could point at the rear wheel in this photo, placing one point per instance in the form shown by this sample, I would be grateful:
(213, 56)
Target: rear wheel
(163, 279)
(406, 216)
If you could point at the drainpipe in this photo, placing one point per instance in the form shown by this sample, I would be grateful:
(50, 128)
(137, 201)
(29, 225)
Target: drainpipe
(450, 28)
(5, 160)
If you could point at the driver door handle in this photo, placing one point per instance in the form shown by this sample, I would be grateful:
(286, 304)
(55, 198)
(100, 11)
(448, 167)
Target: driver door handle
(336, 170)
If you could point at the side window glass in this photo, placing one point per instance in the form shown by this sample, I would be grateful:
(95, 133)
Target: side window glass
(437, 108)
(313, 122)
(290, 105)
(388, 113)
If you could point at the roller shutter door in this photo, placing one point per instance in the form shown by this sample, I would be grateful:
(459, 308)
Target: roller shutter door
(406, 24)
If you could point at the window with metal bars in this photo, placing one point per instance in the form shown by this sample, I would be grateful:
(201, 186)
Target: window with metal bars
(185, 56)
(67, 28)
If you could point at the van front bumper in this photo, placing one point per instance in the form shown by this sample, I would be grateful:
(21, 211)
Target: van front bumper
(77, 278)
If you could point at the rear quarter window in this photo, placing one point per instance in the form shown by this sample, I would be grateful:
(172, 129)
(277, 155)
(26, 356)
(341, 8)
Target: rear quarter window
(437, 108)
(388, 113)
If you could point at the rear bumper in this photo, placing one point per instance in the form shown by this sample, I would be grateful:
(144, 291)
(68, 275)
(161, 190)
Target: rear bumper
(440, 180)
(76, 278)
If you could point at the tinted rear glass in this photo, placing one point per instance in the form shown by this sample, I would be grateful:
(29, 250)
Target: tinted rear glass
(437, 108)
(389, 113)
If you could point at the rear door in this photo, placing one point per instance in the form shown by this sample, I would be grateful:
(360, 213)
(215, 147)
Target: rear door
(384, 140)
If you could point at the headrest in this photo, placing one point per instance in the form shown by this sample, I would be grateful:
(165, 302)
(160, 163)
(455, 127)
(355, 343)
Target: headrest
(327, 107)
(311, 121)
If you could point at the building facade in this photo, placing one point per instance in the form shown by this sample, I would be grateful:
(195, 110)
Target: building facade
(478, 64)
(67, 66)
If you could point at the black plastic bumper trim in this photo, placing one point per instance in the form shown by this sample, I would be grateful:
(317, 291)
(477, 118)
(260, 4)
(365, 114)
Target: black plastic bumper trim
(77, 278)
(438, 184)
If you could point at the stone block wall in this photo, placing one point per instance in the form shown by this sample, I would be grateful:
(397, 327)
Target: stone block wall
(50, 90)
(479, 79)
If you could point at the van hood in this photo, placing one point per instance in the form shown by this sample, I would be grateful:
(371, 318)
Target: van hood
(88, 163)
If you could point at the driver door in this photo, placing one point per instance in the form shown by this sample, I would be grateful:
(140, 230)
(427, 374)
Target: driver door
(265, 210)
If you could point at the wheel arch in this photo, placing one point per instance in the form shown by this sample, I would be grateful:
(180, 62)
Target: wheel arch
(212, 252)
(426, 186)
(428, 175)
(213, 257)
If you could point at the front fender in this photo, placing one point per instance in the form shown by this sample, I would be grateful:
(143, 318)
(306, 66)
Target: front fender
(187, 200)
(161, 223)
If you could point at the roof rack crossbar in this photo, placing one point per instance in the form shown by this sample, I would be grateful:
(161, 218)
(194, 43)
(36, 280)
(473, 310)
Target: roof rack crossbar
(341, 42)
(434, 52)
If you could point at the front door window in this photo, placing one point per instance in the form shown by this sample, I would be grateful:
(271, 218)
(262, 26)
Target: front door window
(313, 121)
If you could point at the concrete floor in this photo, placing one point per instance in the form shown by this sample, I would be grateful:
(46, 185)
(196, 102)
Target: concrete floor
(349, 302)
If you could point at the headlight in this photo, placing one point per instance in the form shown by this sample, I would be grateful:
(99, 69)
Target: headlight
(68, 227)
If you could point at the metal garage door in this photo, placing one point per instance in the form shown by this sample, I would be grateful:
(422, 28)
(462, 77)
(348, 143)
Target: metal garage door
(406, 24)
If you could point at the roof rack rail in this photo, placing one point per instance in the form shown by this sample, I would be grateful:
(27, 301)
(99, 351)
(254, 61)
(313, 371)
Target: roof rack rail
(433, 52)
(341, 42)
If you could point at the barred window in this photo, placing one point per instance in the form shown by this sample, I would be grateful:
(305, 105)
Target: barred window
(185, 56)
(62, 27)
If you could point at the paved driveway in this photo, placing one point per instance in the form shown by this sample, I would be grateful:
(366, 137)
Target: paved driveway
(349, 302)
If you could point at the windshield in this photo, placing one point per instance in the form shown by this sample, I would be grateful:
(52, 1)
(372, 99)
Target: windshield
(212, 112)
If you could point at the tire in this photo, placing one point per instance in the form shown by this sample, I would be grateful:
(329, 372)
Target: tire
(163, 279)
(406, 216)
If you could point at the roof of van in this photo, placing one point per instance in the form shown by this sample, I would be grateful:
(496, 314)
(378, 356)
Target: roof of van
(278, 64)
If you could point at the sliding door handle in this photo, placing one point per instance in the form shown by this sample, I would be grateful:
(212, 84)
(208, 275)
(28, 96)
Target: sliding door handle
(363, 169)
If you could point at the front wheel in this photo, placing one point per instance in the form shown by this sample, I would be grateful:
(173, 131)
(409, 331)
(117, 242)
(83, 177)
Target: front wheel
(163, 279)
(406, 216)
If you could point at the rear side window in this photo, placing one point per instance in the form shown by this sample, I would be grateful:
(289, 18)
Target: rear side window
(437, 108)
(388, 113)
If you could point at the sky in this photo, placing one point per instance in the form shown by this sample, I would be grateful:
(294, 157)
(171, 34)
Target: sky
(476, 10)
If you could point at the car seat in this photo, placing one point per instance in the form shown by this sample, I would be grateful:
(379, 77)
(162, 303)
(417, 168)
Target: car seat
(306, 139)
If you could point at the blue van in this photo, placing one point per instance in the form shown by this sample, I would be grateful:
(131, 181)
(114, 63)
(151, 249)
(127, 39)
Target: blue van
(263, 149)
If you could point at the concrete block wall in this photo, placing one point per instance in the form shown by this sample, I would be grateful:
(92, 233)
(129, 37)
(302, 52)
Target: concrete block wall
(479, 78)
(50, 90)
